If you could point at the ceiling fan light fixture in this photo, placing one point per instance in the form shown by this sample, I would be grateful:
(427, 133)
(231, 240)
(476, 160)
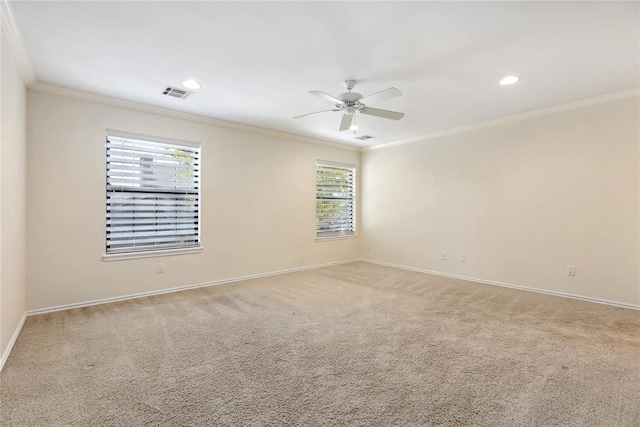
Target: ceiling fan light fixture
(509, 80)
(191, 84)
(354, 126)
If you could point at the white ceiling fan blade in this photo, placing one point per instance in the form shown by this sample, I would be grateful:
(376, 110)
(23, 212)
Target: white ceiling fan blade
(386, 114)
(345, 123)
(317, 112)
(392, 92)
(325, 96)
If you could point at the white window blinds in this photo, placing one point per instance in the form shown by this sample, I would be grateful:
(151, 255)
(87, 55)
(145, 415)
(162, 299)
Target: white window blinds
(153, 195)
(335, 199)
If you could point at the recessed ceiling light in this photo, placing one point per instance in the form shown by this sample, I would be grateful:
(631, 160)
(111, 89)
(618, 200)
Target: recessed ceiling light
(509, 80)
(191, 84)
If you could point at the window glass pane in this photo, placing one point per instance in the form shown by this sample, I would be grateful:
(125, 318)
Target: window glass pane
(335, 200)
(153, 195)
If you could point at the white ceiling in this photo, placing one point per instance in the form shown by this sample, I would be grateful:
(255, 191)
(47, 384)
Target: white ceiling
(257, 60)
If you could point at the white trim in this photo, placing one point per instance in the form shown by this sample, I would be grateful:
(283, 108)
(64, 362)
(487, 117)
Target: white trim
(12, 342)
(310, 267)
(16, 43)
(150, 138)
(183, 288)
(602, 99)
(107, 100)
(330, 164)
(507, 285)
(152, 254)
(348, 236)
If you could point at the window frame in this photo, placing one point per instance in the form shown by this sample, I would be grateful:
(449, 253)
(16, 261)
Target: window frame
(324, 236)
(165, 251)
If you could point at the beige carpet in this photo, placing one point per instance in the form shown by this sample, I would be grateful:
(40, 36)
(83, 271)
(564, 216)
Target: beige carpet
(355, 344)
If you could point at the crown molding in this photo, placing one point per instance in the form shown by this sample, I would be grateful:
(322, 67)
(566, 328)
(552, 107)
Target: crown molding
(116, 102)
(107, 100)
(12, 33)
(602, 99)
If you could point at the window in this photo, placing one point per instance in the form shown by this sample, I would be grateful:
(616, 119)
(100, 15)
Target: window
(335, 199)
(153, 194)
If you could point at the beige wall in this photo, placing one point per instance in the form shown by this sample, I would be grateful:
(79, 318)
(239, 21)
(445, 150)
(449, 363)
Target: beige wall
(258, 204)
(521, 200)
(12, 197)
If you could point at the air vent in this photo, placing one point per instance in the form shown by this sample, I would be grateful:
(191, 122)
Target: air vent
(364, 137)
(175, 92)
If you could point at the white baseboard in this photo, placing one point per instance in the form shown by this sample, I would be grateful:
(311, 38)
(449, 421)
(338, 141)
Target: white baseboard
(7, 351)
(181, 288)
(5, 355)
(507, 285)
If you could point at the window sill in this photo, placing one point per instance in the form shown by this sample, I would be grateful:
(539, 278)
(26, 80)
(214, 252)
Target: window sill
(350, 236)
(151, 254)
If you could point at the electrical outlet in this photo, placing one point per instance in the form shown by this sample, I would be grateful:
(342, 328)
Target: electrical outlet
(160, 267)
(571, 270)
(443, 256)
(462, 257)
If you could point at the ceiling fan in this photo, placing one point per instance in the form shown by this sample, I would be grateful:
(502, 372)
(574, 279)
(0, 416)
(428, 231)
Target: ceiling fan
(351, 102)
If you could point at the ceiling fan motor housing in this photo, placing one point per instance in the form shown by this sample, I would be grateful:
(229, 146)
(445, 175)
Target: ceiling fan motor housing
(350, 96)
